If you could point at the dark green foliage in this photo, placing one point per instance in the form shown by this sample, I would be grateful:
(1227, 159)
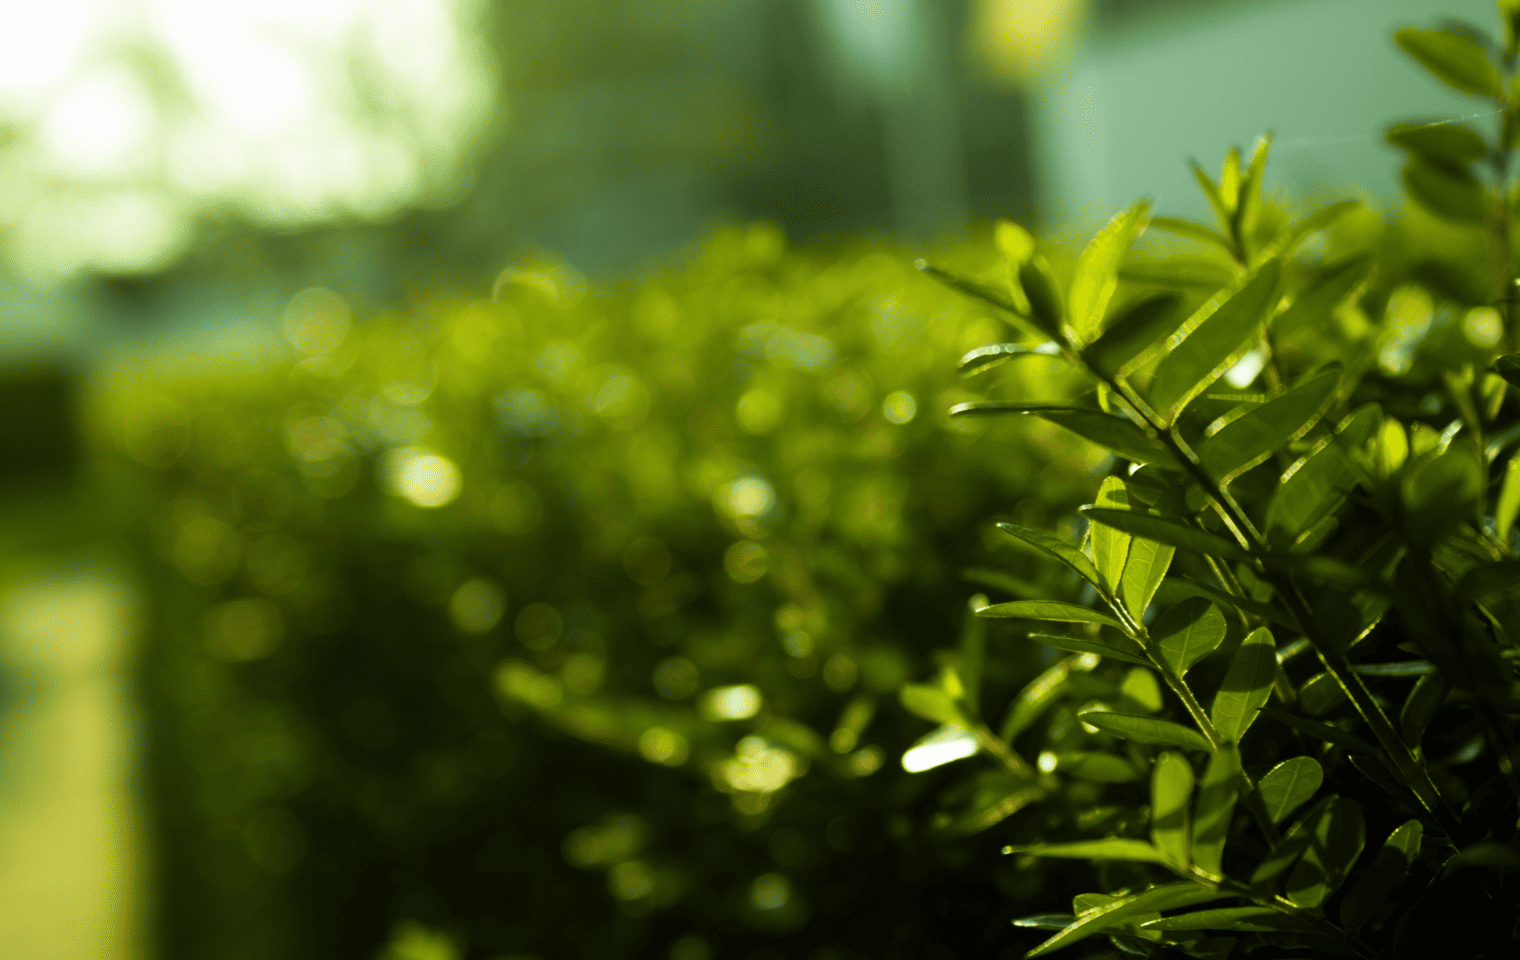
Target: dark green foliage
(1330, 530)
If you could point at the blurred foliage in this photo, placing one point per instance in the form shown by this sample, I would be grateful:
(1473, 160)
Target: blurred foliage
(559, 621)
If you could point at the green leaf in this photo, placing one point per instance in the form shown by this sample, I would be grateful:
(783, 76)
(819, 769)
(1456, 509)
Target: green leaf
(1013, 241)
(1216, 804)
(1139, 689)
(1449, 194)
(1314, 223)
(1212, 340)
(1315, 485)
(1349, 742)
(1060, 550)
(1097, 767)
(1425, 698)
(1508, 367)
(1247, 685)
(1106, 430)
(1264, 611)
(1187, 633)
(1289, 785)
(1077, 645)
(1178, 272)
(1097, 273)
(1191, 230)
(1315, 302)
(1320, 694)
(1251, 438)
(1134, 335)
(1222, 209)
(1147, 730)
(1044, 297)
(1288, 849)
(1508, 505)
(1143, 572)
(932, 704)
(1110, 546)
(985, 358)
(1455, 59)
(972, 654)
(1335, 843)
(1164, 530)
(1382, 877)
(1234, 919)
(1171, 805)
(1052, 610)
(989, 814)
(973, 288)
(1170, 896)
(1112, 848)
(1249, 202)
(1445, 141)
(1034, 700)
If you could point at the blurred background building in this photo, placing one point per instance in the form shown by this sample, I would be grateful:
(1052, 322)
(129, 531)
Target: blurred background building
(173, 171)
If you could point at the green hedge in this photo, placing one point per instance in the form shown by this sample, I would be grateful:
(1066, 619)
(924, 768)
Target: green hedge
(566, 623)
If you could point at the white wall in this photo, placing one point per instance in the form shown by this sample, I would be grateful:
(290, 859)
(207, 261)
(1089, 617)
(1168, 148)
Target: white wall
(1121, 119)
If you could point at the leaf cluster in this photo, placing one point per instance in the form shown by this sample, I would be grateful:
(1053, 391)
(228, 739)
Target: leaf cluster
(1285, 705)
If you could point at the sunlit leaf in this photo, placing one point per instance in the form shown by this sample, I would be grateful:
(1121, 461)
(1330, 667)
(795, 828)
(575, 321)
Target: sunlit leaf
(1233, 919)
(1449, 194)
(1052, 610)
(1335, 842)
(1217, 335)
(1216, 804)
(1110, 546)
(940, 746)
(1508, 505)
(1246, 686)
(1112, 848)
(1134, 335)
(1096, 276)
(932, 703)
(1171, 807)
(985, 358)
(1187, 633)
(1289, 785)
(1045, 304)
(1013, 241)
(1148, 560)
(1455, 59)
(1165, 530)
(1382, 876)
(1082, 645)
(1147, 730)
(1059, 549)
(1170, 896)
(1319, 694)
(1195, 273)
